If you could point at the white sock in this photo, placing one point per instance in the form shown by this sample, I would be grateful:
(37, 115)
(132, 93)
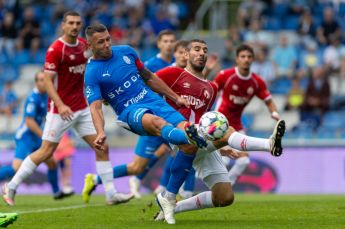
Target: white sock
(210, 147)
(238, 168)
(245, 143)
(105, 171)
(25, 170)
(200, 201)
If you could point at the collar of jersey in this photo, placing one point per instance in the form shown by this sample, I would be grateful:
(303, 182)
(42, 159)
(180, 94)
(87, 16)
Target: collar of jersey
(241, 76)
(68, 44)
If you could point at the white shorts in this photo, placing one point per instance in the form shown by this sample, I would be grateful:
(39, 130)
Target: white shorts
(55, 127)
(210, 168)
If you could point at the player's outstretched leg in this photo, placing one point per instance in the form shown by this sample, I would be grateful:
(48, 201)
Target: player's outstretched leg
(7, 219)
(243, 142)
(221, 195)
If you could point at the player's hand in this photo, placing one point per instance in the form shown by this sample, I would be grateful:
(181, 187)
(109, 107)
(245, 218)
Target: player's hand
(182, 102)
(65, 112)
(99, 141)
(229, 153)
(275, 116)
(212, 61)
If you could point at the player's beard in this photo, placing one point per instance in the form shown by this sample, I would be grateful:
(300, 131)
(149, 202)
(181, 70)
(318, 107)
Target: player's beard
(197, 68)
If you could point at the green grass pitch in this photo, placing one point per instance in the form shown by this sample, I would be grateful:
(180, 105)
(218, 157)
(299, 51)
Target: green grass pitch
(248, 211)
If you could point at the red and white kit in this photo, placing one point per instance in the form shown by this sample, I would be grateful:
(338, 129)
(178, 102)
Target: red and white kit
(68, 62)
(237, 91)
(201, 94)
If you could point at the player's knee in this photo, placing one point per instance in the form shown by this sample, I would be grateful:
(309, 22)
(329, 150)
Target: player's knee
(158, 123)
(223, 199)
(135, 168)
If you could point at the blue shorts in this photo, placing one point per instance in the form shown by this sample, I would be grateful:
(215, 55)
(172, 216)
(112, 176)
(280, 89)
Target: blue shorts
(147, 145)
(132, 116)
(25, 148)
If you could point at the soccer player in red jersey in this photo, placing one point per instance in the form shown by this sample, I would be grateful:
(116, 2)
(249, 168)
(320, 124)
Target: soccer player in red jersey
(67, 108)
(238, 86)
(190, 83)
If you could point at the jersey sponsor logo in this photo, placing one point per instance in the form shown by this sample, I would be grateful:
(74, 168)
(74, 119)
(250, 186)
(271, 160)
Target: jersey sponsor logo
(137, 98)
(239, 100)
(250, 90)
(48, 65)
(77, 69)
(197, 103)
(186, 85)
(122, 88)
(126, 59)
(106, 74)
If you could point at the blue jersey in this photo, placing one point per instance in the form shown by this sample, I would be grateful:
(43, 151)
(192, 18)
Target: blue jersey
(35, 107)
(117, 80)
(157, 63)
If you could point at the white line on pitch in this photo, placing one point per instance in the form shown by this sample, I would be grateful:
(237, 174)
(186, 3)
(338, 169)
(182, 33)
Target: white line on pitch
(59, 209)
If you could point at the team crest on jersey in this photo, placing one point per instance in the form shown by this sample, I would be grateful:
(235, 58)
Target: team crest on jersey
(88, 91)
(235, 87)
(72, 57)
(186, 85)
(207, 94)
(126, 59)
(250, 90)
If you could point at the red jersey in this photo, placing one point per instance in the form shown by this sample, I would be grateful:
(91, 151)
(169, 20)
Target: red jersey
(200, 93)
(68, 62)
(237, 92)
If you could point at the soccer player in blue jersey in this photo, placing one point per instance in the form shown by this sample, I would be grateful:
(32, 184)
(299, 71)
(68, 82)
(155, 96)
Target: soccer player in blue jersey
(116, 75)
(28, 136)
(148, 149)
(165, 42)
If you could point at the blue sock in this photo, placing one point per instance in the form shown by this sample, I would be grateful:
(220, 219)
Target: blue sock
(174, 135)
(190, 181)
(118, 171)
(166, 172)
(53, 180)
(6, 172)
(180, 168)
(152, 162)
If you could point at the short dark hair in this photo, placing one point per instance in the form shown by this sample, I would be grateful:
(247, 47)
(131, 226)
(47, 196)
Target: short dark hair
(69, 13)
(94, 28)
(244, 47)
(165, 32)
(36, 75)
(181, 43)
(195, 40)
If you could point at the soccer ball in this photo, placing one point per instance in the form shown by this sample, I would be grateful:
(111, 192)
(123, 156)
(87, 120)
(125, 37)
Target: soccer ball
(213, 125)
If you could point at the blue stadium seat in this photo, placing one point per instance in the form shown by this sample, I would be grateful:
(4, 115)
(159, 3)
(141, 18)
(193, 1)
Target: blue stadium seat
(333, 120)
(280, 9)
(341, 9)
(291, 22)
(324, 133)
(273, 24)
(281, 86)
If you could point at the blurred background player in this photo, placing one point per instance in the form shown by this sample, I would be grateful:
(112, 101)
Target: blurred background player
(238, 86)
(63, 156)
(64, 81)
(29, 134)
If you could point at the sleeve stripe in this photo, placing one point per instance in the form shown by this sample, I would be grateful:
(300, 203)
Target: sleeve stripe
(139, 64)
